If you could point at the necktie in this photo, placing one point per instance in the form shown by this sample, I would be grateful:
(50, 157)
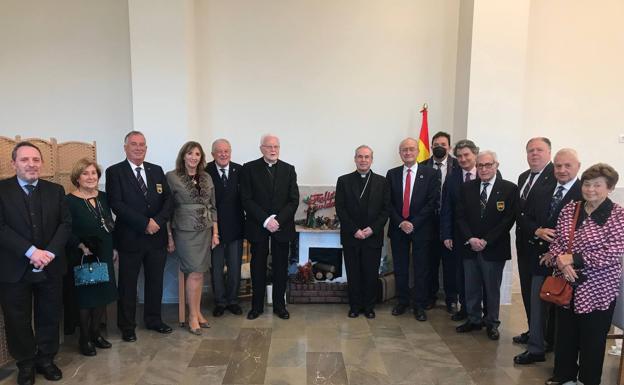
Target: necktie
(438, 165)
(527, 187)
(30, 188)
(406, 194)
(483, 198)
(224, 178)
(141, 181)
(556, 199)
(467, 177)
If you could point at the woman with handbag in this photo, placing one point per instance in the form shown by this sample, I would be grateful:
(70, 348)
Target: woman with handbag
(587, 253)
(193, 230)
(91, 241)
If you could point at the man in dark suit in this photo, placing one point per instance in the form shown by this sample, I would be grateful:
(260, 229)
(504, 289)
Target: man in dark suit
(540, 219)
(539, 174)
(140, 197)
(414, 192)
(35, 225)
(466, 153)
(447, 166)
(486, 211)
(226, 179)
(270, 197)
(362, 205)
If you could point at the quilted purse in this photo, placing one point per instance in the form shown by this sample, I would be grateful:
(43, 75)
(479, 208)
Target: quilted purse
(90, 273)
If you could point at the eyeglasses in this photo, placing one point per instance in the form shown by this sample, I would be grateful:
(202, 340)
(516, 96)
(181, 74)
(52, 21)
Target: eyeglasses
(271, 147)
(485, 165)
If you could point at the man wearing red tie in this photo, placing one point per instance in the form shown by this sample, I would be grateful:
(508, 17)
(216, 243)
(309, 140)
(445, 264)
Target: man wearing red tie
(414, 193)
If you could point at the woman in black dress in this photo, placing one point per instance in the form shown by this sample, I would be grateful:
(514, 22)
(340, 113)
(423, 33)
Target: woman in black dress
(92, 225)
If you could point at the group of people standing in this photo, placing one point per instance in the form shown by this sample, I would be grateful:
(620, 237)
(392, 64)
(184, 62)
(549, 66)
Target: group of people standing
(456, 211)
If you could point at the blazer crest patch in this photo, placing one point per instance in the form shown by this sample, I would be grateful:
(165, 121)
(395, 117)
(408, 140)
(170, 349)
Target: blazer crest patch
(500, 205)
(159, 188)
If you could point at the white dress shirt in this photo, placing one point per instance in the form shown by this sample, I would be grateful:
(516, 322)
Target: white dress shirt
(414, 171)
(134, 166)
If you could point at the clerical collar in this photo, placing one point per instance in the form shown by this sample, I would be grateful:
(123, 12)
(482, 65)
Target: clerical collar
(363, 175)
(270, 164)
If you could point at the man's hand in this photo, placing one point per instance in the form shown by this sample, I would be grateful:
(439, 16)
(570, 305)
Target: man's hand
(115, 256)
(448, 243)
(40, 258)
(367, 232)
(152, 227)
(359, 234)
(546, 234)
(407, 227)
(272, 225)
(477, 244)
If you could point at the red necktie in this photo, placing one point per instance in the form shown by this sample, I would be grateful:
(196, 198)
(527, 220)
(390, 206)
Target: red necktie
(406, 194)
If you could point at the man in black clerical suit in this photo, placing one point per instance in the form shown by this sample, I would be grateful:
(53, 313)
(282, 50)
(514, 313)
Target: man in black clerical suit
(539, 174)
(486, 211)
(226, 179)
(414, 196)
(362, 205)
(270, 197)
(540, 219)
(446, 165)
(35, 225)
(140, 197)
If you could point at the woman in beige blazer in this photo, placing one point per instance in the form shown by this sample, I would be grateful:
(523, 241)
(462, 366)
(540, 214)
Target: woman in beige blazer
(193, 230)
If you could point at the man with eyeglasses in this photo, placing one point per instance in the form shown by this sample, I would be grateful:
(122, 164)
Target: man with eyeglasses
(270, 197)
(486, 211)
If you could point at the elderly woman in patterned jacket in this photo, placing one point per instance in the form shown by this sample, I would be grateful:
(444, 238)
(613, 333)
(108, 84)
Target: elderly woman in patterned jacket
(594, 268)
(193, 230)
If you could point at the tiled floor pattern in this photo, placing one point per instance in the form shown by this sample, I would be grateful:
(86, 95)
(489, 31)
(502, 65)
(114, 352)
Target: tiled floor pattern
(319, 345)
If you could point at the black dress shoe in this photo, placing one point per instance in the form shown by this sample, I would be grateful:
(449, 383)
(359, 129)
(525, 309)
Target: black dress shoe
(451, 307)
(370, 314)
(399, 309)
(101, 343)
(523, 338)
(253, 314)
(282, 313)
(492, 333)
(128, 335)
(161, 328)
(420, 314)
(218, 311)
(26, 376)
(558, 380)
(459, 316)
(467, 327)
(50, 371)
(527, 358)
(235, 309)
(353, 313)
(87, 348)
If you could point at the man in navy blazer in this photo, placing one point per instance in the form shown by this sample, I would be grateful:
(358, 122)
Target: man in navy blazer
(446, 165)
(270, 197)
(540, 219)
(231, 219)
(139, 196)
(35, 225)
(414, 196)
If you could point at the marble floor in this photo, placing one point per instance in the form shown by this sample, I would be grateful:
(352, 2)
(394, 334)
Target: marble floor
(319, 345)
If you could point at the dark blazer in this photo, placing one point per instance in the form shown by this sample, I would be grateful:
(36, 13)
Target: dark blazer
(545, 180)
(15, 228)
(494, 227)
(230, 214)
(261, 199)
(423, 203)
(449, 199)
(348, 208)
(133, 209)
(537, 215)
(452, 167)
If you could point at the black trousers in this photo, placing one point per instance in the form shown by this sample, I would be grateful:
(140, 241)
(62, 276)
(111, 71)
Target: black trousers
(438, 253)
(279, 258)
(18, 302)
(153, 262)
(401, 247)
(581, 341)
(525, 272)
(362, 264)
(226, 289)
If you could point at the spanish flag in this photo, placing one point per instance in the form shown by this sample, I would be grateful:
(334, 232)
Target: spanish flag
(423, 139)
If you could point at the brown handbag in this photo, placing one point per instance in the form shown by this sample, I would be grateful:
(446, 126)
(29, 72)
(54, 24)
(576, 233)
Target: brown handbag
(556, 289)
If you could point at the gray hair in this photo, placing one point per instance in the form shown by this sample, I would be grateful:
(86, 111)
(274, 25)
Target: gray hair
(361, 147)
(220, 140)
(488, 152)
(133, 132)
(406, 139)
(568, 151)
(266, 136)
(466, 143)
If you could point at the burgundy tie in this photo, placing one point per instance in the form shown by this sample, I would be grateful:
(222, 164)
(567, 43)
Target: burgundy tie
(467, 177)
